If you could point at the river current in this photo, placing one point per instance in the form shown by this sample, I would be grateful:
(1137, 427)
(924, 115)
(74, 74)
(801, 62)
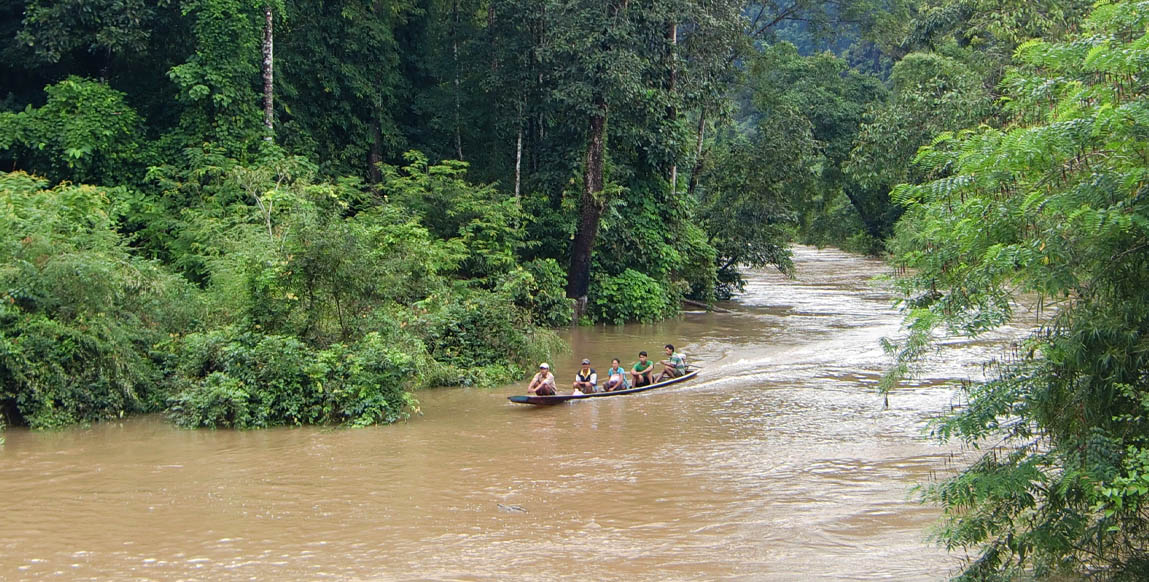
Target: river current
(779, 462)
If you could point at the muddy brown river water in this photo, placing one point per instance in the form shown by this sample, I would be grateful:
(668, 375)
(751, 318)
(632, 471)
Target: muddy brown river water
(777, 463)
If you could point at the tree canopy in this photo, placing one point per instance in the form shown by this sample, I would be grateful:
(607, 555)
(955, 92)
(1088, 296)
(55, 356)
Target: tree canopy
(247, 213)
(1052, 204)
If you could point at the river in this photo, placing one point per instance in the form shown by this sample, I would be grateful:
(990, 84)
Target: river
(779, 462)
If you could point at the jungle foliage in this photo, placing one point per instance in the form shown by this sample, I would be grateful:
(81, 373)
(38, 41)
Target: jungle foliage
(247, 214)
(1052, 204)
(80, 313)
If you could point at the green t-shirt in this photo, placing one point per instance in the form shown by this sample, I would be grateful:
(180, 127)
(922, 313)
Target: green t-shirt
(638, 367)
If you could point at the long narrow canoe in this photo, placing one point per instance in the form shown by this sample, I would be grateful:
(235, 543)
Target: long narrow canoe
(530, 399)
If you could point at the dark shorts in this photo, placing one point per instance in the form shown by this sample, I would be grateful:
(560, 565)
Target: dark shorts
(642, 381)
(545, 390)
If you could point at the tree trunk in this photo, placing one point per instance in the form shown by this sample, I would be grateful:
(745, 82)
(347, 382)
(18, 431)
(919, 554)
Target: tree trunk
(696, 171)
(870, 223)
(590, 209)
(519, 151)
(494, 38)
(672, 110)
(375, 155)
(541, 125)
(458, 107)
(268, 75)
(106, 66)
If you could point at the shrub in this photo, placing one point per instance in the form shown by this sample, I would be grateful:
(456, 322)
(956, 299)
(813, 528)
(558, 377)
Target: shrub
(829, 220)
(237, 379)
(364, 383)
(218, 401)
(483, 337)
(538, 289)
(475, 331)
(631, 296)
(488, 224)
(78, 312)
(240, 379)
(865, 244)
(284, 259)
(85, 131)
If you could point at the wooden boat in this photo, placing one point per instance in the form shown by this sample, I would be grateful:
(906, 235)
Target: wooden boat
(557, 398)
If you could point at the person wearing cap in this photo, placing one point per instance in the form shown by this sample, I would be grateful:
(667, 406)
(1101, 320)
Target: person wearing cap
(543, 384)
(586, 380)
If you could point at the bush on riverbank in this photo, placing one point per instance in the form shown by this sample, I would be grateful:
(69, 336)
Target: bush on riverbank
(241, 378)
(538, 290)
(78, 311)
(307, 311)
(228, 378)
(631, 296)
(481, 337)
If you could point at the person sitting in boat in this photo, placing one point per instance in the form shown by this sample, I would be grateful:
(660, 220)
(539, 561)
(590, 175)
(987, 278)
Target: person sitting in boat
(673, 366)
(586, 380)
(543, 384)
(643, 371)
(615, 377)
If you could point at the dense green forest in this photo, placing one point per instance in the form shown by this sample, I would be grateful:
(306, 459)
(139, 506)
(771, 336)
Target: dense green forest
(246, 214)
(257, 213)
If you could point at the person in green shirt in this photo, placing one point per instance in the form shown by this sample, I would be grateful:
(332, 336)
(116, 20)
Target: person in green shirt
(643, 371)
(673, 366)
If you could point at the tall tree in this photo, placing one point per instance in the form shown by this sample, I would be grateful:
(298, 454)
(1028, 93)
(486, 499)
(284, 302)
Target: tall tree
(931, 93)
(93, 32)
(808, 111)
(621, 60)
(268, 71)
(605, 64)
(343, 91)
(1053, 206)
(218, 81)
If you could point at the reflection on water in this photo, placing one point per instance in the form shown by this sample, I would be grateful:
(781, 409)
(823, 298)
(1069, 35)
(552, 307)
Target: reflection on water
(778, 463)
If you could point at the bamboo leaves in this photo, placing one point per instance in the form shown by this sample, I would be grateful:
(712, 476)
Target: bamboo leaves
(1053, 204)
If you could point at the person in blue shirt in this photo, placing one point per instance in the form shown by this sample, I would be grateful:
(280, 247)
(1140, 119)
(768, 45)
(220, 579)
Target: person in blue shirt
(615, 377)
